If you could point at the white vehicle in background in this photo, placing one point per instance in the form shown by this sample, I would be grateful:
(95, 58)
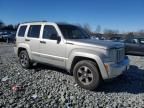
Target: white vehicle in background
(97, 37)
(94, 37)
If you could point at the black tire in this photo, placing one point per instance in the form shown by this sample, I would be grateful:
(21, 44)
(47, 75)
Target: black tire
(86, 74)
(24, 59)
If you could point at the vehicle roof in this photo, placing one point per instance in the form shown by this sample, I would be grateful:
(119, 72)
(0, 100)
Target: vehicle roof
(43, 22)
(138, 37)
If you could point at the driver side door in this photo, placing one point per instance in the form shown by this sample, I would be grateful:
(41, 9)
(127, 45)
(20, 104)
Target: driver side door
(52, 50)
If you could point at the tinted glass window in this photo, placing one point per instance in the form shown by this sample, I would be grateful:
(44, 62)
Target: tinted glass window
(132, 41)
(73, 32)
(128, 41)
(34, 31)
(135, 41)
(22, 30)
(141, 41)
(49, 32)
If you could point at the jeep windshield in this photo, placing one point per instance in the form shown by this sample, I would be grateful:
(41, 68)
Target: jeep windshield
(73, 32)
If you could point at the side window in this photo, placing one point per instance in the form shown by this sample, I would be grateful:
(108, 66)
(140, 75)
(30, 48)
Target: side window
(22, 30)
(132, 41)
(141, 41)
(34, 31)
(49, 32)
(128, 41)
(135, 41)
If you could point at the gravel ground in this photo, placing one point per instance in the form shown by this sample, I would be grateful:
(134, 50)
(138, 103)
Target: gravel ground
(44, 86)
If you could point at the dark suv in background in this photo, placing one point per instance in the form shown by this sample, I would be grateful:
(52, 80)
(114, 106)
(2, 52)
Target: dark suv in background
(134, 46)
(8, 37)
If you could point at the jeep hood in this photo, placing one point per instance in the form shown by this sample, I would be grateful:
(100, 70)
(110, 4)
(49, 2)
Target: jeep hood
(105, 44)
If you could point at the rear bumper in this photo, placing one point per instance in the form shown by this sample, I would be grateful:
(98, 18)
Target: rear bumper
(115, 70)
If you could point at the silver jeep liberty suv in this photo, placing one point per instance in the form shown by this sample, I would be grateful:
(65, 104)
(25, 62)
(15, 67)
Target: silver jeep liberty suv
(71, 48)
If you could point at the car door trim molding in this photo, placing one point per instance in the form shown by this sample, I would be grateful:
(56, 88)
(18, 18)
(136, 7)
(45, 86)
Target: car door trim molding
(52, 57)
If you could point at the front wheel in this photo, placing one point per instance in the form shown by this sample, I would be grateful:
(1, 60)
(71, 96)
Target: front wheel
(24, 59)
(86, 74)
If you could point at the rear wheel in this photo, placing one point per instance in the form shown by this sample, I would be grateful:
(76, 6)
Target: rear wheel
(86, 74)
(24, 59)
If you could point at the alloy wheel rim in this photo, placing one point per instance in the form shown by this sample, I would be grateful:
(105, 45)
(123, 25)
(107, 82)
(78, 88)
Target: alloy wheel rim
(23, 59)
(85, 75)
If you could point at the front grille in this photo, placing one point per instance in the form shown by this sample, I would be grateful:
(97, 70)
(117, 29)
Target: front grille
(120, 55)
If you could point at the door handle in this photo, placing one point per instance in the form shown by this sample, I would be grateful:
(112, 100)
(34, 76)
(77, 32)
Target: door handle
(43, 42)
(27, 40)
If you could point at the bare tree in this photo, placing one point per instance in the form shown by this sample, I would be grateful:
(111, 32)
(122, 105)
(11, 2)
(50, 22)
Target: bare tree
(79, 25)
(16, 26)
(140, 33)
(10, 27)
(108, 33)
(87, 28)
(130, 35)
(1, 24)
(98, 29)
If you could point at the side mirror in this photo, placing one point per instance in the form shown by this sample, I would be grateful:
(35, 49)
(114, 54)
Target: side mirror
(58, 39)
(55, 37)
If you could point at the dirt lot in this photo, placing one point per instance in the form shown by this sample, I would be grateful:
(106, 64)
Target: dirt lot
(44, 86)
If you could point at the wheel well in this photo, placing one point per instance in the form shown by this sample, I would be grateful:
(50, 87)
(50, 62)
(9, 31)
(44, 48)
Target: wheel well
(20, 49)
(78, 58)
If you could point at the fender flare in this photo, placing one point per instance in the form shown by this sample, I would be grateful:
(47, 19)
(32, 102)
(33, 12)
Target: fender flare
(27, 49)
(96, 58)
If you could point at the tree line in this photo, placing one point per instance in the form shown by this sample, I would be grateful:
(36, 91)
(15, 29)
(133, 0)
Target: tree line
(9, 27)
(109, 33)
(98, 30)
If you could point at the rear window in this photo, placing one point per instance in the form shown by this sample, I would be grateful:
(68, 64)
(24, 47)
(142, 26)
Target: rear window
(34, 31)
(22, 30)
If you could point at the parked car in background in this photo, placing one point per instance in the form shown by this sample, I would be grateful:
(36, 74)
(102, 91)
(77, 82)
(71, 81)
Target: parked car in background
(7, 37)
(94, 37)
(0, 37)
(117, 39)
(97, 37)
(3, 34)
(10, 38)
(134, 46)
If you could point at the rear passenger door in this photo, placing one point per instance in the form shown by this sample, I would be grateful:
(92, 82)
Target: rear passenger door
(32, 39)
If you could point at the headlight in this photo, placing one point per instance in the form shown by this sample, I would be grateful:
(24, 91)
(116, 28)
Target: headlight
(111, 55)
(107, 59)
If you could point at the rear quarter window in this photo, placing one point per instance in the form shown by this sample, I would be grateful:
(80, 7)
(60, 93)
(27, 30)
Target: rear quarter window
(21, 31)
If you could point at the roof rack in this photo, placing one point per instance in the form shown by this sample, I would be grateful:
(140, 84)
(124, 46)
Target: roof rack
(34, 21)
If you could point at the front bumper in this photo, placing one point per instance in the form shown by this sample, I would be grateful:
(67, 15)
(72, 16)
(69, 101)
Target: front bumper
(115, 70)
